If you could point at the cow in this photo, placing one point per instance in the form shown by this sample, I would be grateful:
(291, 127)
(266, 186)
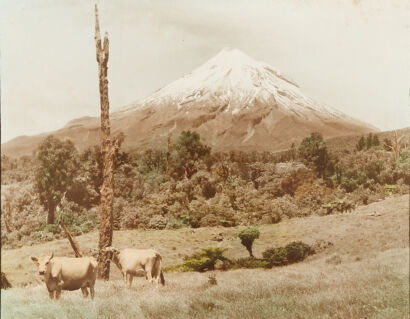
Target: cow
(65, 273)
(130, 261)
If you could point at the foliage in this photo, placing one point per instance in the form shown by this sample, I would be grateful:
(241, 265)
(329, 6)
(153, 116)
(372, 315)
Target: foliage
(391, 189)
(58, 166)
(291, 253)
(372, 140)
(249, 262)
(248, 236)
(339, 205)
(314, 152)
(187, 151)
(204, 260)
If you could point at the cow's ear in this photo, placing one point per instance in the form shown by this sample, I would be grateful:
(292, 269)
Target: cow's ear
(34, 259)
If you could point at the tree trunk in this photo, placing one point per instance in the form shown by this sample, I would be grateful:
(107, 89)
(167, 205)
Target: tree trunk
(73, 242)
(50, 216)
(249, 248)
(107, 153)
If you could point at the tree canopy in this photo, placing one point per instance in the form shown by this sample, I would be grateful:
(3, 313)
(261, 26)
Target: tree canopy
(55, 174)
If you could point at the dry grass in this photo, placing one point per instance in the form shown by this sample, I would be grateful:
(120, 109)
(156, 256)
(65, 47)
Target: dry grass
(375, 288)
(370, 282)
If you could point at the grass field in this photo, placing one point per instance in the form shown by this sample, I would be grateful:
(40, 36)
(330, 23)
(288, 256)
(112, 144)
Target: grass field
(364, 274)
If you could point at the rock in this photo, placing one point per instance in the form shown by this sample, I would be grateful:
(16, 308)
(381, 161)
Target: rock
(5, 284)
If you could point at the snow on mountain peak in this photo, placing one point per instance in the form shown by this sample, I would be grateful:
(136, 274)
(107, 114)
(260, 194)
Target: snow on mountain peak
(234, 79)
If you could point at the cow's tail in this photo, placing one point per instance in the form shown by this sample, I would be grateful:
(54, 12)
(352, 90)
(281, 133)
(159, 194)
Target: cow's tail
(158, 269)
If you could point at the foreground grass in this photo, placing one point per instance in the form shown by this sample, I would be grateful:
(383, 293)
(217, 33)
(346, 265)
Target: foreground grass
(377, 287)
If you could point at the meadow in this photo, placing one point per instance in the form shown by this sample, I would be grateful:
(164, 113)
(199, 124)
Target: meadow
(363, 273)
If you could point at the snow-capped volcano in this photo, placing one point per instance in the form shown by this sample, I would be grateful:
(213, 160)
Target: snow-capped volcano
(233, 101)
(236, 81)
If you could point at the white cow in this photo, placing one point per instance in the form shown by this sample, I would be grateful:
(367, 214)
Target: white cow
(65, 273)
(130, 262)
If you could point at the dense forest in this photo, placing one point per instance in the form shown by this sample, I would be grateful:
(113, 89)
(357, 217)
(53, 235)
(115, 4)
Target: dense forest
(186, 184)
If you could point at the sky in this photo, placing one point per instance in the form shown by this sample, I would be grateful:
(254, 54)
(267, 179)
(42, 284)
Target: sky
(352, 55)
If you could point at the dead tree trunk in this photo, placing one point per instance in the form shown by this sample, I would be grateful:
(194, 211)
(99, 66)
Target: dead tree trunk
(73, 242)
(108, 150)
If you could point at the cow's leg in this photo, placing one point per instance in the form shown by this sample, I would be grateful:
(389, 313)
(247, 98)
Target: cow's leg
(148, 270)
(92, 292)
(84, 291)
(51, 294)
(58, 294)
(126, 279)
(130, 278)
(124, 276)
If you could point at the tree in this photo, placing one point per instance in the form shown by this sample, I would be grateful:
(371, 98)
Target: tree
(187, 152)
(248, 236)
(361, 144)
(314, 152)
(109, 152)
(58, 167)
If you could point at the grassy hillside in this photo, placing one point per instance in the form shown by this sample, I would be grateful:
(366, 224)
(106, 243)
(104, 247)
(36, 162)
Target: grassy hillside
(363, 273)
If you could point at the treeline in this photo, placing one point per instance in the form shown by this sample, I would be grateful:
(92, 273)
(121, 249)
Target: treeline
(188, 185)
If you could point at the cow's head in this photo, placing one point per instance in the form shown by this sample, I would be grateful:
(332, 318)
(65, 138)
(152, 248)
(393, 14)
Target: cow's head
(42, 262)
(112, 251)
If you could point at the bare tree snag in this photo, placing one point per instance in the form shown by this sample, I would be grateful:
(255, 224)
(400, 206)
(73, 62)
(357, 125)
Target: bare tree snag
(396, 147)
(108, 151)
(73, 242)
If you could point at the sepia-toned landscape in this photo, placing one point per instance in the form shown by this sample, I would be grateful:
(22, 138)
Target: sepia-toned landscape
(228, 192)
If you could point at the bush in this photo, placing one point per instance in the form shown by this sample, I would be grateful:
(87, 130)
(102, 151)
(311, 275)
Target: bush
(291, 253)
(339, 205)
(247, 237)
(249, 263)
(157, 222)
(202, 261)
(391, 189)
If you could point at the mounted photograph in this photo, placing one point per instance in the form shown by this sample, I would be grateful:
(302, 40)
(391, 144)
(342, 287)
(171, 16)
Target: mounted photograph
(205, 159)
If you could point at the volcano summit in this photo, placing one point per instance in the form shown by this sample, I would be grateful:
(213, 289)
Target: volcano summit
(232, 101)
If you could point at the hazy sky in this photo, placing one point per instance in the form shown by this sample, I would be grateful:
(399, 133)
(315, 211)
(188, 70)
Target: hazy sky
(349, 54)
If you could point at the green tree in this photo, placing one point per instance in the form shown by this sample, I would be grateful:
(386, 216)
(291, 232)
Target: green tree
(248, 236)
(361, 144)
(369, 141)
(55, 174)
(314, 153)
(376, 141)
(187, 152)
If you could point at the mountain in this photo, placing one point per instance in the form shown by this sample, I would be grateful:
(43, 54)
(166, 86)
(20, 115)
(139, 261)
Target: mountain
(232, 101)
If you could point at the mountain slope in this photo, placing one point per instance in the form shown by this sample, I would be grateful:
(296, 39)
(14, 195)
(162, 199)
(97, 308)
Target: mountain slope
(233, 101)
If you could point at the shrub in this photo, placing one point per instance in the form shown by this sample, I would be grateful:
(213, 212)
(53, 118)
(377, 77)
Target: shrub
(291, 253)
(391, 189)
(157, 222)
(247, 237)
(339, 205)
(208, 190)
(202, 261)
(249, 263)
